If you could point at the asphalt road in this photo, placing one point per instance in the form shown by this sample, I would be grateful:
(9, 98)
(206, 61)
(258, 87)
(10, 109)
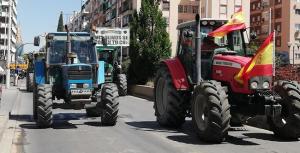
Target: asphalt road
(135, 132)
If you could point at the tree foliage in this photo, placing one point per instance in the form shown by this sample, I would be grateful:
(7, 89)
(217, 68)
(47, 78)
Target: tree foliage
(60, 26)
(149, 42)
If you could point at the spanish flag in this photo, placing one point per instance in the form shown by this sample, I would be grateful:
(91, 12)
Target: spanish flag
(261, 64)
(236, 22)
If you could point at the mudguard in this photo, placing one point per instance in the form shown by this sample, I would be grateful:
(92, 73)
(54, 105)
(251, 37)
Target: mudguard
(178, 73)
(39, 72)
(101, 73)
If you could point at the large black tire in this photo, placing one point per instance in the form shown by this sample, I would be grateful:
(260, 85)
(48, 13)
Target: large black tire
(210, 111)
(44, 106)
(122, 84)
(287, 125)
(109, 99)
(169, 106)
(29, 82)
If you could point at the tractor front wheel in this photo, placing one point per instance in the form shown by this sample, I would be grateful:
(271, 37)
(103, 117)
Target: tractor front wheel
(287, 125)
(44, 106)
(122, 84)
(170, 110)
(109, 98)
(210, 111)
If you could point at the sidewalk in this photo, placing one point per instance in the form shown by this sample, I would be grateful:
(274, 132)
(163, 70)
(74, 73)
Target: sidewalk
(9, 96)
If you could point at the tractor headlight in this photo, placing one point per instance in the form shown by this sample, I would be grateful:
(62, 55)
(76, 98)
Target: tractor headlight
(86, 85)
(266, 85)
(72, 86)
(254, 85)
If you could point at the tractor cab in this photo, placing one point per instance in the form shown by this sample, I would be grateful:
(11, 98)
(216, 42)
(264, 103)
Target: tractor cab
(231, 44)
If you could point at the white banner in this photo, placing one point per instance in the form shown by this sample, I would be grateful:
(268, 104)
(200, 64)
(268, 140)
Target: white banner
(113, 36)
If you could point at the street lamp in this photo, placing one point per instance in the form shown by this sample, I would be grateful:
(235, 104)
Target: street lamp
(17, 50)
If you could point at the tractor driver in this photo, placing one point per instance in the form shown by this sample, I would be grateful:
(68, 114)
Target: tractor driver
(187, 52)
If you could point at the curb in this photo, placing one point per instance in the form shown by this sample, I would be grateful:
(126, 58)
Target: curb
(142, 91)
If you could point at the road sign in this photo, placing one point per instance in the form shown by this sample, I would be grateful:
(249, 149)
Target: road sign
(113, 36)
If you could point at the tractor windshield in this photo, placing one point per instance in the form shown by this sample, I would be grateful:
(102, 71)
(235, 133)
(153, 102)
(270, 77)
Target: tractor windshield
(84, 50)
(233, 42)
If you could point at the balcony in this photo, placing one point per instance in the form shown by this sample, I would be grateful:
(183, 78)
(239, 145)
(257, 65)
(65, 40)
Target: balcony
(4, 14)
(14, 19)
(13, 39)
(14, 30)
(2, 47)
(5, 3)
(3, 25)
(3, 36)
(15, 9)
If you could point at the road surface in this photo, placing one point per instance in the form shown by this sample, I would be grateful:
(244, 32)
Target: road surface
(135, 132)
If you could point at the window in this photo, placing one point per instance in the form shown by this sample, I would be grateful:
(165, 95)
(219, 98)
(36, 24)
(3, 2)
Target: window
(195, 9)
(253, 6)
(297, 27)
(278, 13)
(278, 27)
(166, 6)
(297, 11)
(278, 41)
(185, 9)
(167, 20)
(223, 11)
(180, 8)
(266, 15)
(277, 2)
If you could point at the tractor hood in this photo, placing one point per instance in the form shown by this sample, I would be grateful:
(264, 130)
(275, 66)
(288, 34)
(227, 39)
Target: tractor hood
(237, 61)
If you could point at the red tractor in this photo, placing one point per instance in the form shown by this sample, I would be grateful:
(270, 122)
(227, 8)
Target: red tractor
(199, 83)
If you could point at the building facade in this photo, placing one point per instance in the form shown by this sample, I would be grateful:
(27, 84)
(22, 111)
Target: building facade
(8, 10)
(284, 19)
(223, 9)
(187, 10)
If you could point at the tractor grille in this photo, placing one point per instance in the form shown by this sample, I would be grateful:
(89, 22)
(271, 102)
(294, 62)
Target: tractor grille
(80, 73)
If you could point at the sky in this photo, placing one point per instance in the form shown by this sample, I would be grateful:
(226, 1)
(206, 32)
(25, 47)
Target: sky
(39, 16)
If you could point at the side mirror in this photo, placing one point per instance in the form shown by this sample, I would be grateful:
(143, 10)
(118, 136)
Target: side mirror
(36, 41)
(253, 36)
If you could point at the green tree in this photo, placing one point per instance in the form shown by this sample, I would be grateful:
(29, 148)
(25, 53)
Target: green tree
(149, 42)
(60, 26)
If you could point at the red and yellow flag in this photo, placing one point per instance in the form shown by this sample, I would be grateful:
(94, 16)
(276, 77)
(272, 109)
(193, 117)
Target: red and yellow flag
(236, 22)
(260, 64)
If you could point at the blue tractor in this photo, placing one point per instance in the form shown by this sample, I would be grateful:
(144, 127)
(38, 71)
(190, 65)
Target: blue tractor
(71, 71)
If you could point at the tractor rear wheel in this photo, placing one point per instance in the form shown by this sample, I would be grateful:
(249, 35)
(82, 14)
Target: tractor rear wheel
(169, 106)
(287, 125)
(44, 106)
(109, 98)
(211, 111)
(122, 84)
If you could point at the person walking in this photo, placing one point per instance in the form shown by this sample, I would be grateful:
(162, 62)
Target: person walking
(17, 73)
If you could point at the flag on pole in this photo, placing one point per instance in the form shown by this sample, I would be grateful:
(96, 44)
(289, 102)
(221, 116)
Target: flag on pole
(260, 64)
(236, 22)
